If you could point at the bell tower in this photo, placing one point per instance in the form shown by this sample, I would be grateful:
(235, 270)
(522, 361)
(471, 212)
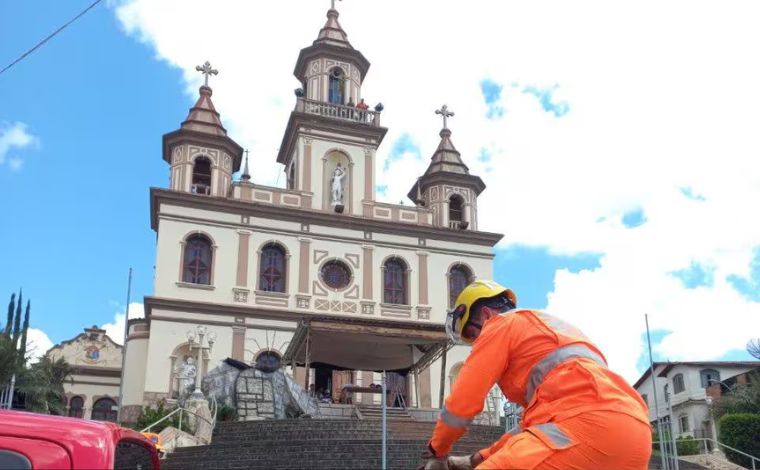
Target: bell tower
(447, 187)
(329, 145)
(201, 155)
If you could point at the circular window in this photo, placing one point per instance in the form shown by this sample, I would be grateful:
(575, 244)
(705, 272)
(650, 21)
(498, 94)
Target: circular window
(336, 274)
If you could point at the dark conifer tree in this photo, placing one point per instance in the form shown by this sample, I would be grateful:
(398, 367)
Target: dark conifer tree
(9, 322)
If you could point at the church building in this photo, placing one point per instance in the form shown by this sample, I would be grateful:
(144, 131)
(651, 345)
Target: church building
(319, 276)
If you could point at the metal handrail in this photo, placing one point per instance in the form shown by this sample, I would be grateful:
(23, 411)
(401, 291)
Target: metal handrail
(212, 423)
(706, 439)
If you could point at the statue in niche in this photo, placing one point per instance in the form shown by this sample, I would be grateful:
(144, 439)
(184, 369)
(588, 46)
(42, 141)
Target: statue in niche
(186, 374)
(337, 188)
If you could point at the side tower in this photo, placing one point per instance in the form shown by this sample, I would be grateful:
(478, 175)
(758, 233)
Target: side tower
(201, 155)
(447, 187)
(331, 138)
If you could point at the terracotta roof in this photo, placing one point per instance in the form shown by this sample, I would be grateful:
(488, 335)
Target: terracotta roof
(203, 117)
(332, 32)
(669, 366)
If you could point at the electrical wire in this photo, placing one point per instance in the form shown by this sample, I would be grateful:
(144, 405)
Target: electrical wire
(50, 36)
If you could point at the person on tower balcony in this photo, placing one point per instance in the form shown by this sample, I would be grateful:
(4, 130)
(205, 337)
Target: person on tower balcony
(362, 107)
(578, 413)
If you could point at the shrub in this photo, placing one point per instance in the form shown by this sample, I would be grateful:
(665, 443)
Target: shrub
(741, 431)
(226, 413)
(150, 415)
(687, 446)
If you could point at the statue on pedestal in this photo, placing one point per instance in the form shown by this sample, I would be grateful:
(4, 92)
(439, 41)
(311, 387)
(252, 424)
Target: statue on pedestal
(187, 371)
(337, 188)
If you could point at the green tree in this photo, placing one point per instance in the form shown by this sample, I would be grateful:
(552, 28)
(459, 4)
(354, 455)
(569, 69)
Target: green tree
(42, 385)
(8, 360)
(743, 398)
(741, 431)
(22, 347)
(17, 320)
(9, 322)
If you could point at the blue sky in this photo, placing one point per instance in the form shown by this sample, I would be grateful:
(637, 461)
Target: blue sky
(596, 201)
(76, 215)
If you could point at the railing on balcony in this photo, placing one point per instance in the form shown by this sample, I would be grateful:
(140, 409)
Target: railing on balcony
(337, 111)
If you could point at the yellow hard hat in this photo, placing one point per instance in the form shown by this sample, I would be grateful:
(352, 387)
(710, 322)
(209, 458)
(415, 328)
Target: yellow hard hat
(458, 317)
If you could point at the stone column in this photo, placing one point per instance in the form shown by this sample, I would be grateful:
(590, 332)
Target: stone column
(241, 279)
(367, 272)
(238, 343)
(303, 266)
(422, 259)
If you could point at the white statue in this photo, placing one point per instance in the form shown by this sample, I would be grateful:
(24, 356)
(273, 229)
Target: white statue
(337, 185)
(187, 373)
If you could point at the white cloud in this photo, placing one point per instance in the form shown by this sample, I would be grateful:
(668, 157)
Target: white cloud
(14, 136)
(661, 97)
(38, 343)
(115, 329)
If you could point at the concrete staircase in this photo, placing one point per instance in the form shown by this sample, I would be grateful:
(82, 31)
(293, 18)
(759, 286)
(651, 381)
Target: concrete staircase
(318, 443)
(376, 412)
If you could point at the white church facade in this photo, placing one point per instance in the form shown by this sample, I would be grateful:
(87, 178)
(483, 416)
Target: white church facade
(319, 275)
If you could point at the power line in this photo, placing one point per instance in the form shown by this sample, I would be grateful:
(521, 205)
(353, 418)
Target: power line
(50, 37)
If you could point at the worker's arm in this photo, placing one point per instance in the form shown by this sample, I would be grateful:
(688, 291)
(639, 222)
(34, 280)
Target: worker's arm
(482, 369)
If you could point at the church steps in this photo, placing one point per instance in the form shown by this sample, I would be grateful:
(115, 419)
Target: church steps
(317, 443)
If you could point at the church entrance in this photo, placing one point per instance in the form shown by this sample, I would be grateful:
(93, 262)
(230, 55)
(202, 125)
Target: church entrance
(397, 390)
(329, 382)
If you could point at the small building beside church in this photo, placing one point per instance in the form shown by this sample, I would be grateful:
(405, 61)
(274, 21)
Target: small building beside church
(92, 391)
(318, 276)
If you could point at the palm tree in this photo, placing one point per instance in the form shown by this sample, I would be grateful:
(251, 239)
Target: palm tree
(42, 385)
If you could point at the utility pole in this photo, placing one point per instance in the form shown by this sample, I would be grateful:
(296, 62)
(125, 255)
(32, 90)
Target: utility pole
(124, 349)
(656, 404)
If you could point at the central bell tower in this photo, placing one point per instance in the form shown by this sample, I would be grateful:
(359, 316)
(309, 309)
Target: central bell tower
(332, 135)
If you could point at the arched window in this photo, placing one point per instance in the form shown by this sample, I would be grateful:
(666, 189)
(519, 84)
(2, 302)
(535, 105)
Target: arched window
(104, 410)
(678, 385)
(456, 208)
(395, 282)
(76, 407)
(459, 277)
(272, 269)
(201, 176)
(196, 265)
(336, 86)
(709, 377)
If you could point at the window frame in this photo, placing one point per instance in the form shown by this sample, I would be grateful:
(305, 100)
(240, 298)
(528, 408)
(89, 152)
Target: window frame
(198, 179)
(459, 210)
(283, 279)
(108, 413)
(403, 269)
(186, 245)
(681, 419)
(704, 379)
(678, 380)
(470, 276)
(80, 413)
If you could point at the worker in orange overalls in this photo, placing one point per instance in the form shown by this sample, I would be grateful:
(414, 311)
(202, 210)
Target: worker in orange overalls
(578, 414)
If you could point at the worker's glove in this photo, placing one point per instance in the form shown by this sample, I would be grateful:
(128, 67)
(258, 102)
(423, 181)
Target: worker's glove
(460, 462)
(432, 462)
(465, 462)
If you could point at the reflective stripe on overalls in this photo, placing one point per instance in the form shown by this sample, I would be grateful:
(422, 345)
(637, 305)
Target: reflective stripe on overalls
(555, 358)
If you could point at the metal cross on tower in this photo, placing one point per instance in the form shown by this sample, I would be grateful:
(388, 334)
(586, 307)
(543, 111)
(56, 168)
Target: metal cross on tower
(206, 70)
(332, 4)
(444, 111)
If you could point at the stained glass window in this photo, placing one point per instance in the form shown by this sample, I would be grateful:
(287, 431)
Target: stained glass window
(272, 269)
(394, 282)
(459, 277)
(336, 275)
(196, 267)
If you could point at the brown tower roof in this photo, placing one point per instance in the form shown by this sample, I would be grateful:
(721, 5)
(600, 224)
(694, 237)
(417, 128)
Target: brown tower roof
(203, 117)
